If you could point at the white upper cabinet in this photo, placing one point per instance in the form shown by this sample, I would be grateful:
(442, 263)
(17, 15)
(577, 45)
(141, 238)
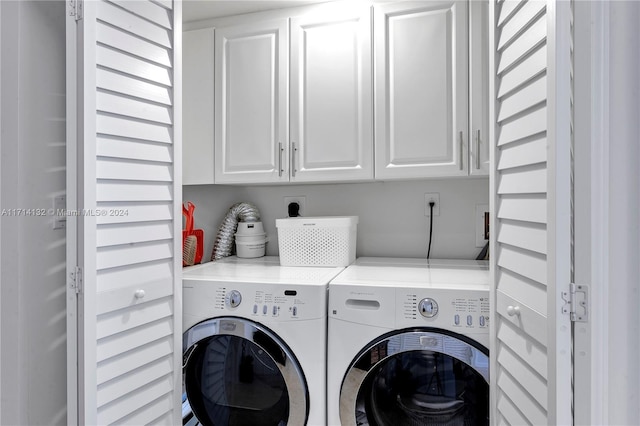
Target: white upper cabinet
(251, 120)
(479, 88)
(197, 87)
(331, 98)
(421, 89)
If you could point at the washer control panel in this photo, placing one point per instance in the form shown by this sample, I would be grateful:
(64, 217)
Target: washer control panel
(437, 307)
(263, 303)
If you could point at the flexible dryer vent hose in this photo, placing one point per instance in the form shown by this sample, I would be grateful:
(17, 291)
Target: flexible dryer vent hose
(239, 212)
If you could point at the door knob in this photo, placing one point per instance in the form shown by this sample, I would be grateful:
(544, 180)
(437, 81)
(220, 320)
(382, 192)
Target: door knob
(513, 311)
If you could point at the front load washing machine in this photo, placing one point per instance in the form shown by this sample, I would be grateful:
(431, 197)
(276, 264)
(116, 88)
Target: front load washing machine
(408, 343)
(254, 343)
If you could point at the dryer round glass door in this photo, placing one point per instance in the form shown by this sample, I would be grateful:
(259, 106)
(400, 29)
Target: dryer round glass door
(237, 372)
(417, 377)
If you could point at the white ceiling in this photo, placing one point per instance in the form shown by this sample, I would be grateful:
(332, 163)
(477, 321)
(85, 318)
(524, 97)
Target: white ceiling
(197, 10)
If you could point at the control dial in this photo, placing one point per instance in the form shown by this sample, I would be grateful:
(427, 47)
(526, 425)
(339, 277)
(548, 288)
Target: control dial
(234, 298)
(428, 308)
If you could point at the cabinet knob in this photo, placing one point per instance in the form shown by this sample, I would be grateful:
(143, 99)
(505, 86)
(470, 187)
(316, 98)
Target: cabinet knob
(513, 311)
(139, 294)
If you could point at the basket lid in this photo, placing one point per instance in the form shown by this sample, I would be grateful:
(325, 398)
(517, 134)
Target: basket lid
(320, 221)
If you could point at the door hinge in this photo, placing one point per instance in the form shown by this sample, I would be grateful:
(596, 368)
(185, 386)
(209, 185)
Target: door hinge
(76, 279)
(75, 9)
(576, 302)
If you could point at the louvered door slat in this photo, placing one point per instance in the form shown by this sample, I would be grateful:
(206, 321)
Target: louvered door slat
(533, 412)
(523, 262)
(523, 45)
(132, 170)
(130, 158)
(532, 353)
(132, 339)
(133, 45)
(120, 83)
(528, 208)
(132, 65)
(509, 413)
(118, 411)
(134, 108)
(528, 97)
(530, 236)
(149, 11)
(127, 233)
(523, 72)
(130, 275)
(115, 147)
(159, 411)
(127, 128)
(523, 154)
(524, 180)
(114, 257)
(125, 362)
(116, 190)
(533, 123)
(125, 319)
(144, 374)
(131, 23)
(519, 21)
(536, 385)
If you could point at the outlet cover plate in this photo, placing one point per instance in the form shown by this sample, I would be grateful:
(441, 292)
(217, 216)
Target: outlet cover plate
(300, 199)
(481, 209)
(432, 196)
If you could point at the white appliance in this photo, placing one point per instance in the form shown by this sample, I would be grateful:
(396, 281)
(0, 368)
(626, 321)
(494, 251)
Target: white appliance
(408, 343)
(254, 343)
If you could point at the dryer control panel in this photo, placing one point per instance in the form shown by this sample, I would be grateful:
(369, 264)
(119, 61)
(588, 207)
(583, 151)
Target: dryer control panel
(464, 310)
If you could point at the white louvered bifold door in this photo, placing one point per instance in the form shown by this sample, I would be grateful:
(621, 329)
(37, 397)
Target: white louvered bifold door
(124, 166)
(531, 209)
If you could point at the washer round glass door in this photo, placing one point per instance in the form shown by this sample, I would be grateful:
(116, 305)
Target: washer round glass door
(417, 377)
(237, 372)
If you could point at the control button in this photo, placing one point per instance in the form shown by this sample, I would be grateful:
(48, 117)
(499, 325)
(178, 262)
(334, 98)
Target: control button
(469, 320)
(482, 321)
(234, 298)
(456, 319)
(275, 310)
(255, 309)
(428, 308)
(264, 310)
(295, 311)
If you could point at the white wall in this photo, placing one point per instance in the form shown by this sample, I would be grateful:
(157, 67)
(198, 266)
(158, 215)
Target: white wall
(32, 148)
(623, 337)
(391, 214)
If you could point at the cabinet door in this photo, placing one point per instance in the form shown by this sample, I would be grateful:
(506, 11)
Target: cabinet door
(331, 106)
(197, 148)
(479, 88)
(421, 89)
(251, 103)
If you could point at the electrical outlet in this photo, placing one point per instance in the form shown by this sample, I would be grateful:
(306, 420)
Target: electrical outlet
(482, 224)
(429, 197)
(300, 199)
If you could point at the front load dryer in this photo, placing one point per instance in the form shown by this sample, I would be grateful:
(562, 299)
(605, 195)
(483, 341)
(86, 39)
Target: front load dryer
(254, 343)
(408, 343)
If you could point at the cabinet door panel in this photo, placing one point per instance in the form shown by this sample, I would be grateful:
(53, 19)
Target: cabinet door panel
(479, 88)
(331, 109)
(421, 89)
(250, 102)
(197, 153)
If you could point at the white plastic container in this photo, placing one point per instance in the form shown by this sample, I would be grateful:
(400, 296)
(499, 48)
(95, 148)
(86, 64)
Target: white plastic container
(251, 240)
(317, 241)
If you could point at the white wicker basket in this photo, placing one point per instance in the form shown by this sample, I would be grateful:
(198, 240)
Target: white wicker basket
(317, 241)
